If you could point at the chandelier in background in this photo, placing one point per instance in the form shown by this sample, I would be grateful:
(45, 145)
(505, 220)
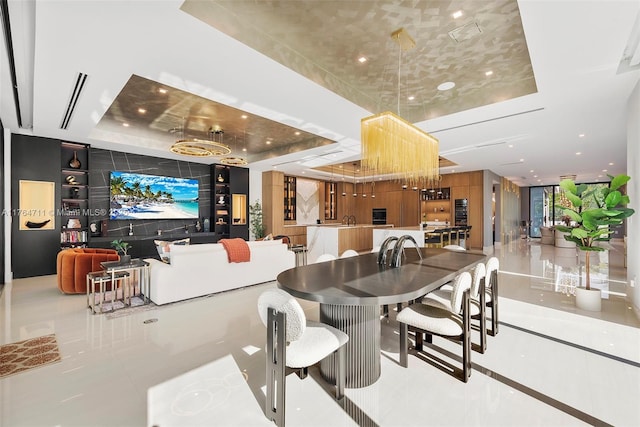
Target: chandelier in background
(234, 160)
(198, 147)
(392, 145)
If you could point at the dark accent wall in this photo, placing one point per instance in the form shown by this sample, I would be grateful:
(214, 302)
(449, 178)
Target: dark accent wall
(33, 252)
(239, 184)
(105, 161)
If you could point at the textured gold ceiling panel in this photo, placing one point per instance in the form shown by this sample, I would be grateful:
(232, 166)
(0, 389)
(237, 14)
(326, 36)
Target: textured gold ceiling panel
(168, 113)
(322, 40)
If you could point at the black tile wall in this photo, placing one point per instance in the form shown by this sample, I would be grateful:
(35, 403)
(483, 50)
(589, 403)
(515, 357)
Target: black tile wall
(102, 162)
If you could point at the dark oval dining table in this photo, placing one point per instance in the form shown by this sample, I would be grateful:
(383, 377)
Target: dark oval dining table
(351, 290)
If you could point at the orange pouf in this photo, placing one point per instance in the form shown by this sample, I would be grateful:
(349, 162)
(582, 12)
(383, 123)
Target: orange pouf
(73, 265)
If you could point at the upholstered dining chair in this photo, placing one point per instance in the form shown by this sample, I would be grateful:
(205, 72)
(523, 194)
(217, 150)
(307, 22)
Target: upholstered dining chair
(349, 253)
(442, 298)
(453, 324)
(491, 288)
(295, 343)
(325, 257)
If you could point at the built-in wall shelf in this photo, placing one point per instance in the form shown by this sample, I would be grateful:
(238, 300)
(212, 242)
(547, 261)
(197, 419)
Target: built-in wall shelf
(74, 194)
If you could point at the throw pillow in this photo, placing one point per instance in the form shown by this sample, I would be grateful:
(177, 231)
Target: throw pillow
(164, 248)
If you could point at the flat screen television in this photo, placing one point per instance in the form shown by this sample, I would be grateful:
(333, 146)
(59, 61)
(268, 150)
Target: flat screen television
(139, 196)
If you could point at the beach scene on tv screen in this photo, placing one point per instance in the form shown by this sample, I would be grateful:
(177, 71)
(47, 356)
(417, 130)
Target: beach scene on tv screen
(139, 196)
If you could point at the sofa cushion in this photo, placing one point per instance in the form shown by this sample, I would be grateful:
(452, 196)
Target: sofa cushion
(164, 248)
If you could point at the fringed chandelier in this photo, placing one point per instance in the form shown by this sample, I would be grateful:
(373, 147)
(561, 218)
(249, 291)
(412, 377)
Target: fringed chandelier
(392, 145)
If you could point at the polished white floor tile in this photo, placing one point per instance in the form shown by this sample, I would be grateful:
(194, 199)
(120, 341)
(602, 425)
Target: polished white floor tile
(541, 369)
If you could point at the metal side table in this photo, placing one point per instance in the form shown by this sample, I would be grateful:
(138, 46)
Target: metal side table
(301, 254)
(139, 271)
(119, 281)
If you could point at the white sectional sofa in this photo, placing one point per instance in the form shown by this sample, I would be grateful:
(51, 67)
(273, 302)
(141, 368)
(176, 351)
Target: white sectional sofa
(203, 269)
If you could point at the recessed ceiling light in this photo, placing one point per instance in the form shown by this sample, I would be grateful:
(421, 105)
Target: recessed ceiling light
(125, 125)
(531, 171)
(457, 14)
(446, 86)
(142, 110)
(510, 145)
(268, 142)
(599, 176)
(581, 135)
(488, 73)
(303, 172)
(535, 176)
(521, 160)
(610, 163)
(453, 170)
(578, 153)
(275, 167)
(411, 98)
(244, 116)
(244, 149)
(362, 59)
(162, 90)
(604, 170)
(297, 133)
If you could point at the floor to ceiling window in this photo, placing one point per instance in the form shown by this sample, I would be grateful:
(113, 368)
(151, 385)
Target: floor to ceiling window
(546, 205)
(540, 200)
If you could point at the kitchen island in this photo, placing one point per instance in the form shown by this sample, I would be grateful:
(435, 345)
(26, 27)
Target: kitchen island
(417, 232)
(334, 239)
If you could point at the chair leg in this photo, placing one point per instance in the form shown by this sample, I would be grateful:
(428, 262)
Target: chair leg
(419, 339)
(340, 368)
(403, 345)
(494, 304)
(276, 381)
(466, 338)
(483, 318)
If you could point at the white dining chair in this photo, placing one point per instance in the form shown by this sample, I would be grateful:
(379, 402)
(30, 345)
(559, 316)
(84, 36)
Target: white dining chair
(296, 343)
(453, 324)
(325, 257)
(349, 253)
(491, 291)
(442, 298)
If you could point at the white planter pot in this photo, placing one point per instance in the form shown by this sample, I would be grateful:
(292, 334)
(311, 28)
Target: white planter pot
(561, 242)
(589, 300)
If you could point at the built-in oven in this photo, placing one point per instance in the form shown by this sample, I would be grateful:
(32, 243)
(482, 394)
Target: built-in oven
(379, 216)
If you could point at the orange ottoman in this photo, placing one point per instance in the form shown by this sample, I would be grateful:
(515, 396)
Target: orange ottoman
(72, 266)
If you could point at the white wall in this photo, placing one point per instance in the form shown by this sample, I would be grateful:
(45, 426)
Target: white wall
(633, 190)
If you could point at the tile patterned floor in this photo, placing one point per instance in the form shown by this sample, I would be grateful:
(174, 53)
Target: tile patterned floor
(551, 364)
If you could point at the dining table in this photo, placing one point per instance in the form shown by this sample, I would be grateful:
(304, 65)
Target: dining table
(351, 290)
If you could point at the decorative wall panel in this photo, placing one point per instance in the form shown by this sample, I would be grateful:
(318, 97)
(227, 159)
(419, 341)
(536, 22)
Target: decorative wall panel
(307, 201)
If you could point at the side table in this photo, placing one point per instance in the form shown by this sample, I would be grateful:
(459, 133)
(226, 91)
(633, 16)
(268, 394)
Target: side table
(301, 254)
(100, 279)
(139, 271)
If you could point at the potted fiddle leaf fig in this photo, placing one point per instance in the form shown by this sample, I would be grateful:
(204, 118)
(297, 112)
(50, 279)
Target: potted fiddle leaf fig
(593, 211)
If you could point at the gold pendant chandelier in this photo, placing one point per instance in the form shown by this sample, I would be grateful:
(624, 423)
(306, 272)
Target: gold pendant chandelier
(392, 145)
(197, 147)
